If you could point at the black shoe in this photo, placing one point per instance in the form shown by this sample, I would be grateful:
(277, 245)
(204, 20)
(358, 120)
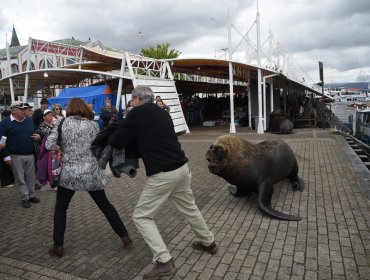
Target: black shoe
(212, 249)
(26, 203)
(34, 199)
(56, 251)
(161, 269)
(37, 186)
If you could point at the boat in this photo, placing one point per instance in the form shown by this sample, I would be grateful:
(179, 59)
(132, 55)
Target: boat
(349, 95)
(358, 105)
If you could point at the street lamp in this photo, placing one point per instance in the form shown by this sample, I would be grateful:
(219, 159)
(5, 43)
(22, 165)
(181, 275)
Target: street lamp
(225, 49)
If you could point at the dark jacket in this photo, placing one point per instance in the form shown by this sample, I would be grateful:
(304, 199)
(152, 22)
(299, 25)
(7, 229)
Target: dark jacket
(38, 117)
(149, 129)
(118, 161)
(108, 117)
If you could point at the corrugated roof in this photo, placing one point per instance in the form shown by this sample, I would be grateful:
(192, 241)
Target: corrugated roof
(13, 51)
(70, 41)
(16, 50)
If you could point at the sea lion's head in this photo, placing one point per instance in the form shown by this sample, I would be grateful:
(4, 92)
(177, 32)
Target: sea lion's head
(216, 157)
(219, 154)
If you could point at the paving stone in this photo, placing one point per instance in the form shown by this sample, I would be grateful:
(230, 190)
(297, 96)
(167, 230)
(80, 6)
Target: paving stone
(206, 274)
(273, 265)
(310, 275)
(332, 241)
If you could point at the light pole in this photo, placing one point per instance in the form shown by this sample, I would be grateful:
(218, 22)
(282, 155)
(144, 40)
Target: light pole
(225, 49)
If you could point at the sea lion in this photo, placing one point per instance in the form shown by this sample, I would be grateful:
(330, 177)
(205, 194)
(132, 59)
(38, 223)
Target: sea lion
(286, 127)
(255, 168)
(280, 123)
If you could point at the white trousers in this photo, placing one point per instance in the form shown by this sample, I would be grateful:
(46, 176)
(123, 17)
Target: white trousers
(175, 186)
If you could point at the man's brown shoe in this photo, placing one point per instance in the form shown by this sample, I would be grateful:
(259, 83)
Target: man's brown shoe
(127, 242)
(212, 249)
(161, 269)
(56, 251)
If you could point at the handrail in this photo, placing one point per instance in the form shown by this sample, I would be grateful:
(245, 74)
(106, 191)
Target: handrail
(363, 146)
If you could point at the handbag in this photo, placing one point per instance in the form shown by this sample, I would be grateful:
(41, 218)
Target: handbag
(56, 158)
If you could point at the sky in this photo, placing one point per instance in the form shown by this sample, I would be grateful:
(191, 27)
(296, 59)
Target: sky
(335, 32)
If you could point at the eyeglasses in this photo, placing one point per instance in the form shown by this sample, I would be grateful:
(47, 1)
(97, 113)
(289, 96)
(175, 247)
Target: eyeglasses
(57, 109)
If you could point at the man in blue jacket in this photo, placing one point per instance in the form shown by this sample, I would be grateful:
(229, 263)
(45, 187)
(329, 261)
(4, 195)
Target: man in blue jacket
(18, 152)
(149, 130)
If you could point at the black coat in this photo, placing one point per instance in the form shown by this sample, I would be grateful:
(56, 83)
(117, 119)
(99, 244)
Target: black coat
(119, 161)
(38, 117)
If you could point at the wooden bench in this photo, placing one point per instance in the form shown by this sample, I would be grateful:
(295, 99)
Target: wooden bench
(307, 122)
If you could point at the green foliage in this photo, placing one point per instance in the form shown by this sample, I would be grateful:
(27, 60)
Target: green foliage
(160, 52)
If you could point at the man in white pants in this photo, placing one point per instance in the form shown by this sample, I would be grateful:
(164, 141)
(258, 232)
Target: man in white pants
(149, 130)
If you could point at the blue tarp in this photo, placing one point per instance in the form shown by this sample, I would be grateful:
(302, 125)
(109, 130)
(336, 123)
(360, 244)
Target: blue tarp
(94, 94)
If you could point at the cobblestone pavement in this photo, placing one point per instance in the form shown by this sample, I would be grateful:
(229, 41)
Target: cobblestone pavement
(332, 241)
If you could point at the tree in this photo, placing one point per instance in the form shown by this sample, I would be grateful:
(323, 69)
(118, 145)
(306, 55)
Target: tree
(160, 52)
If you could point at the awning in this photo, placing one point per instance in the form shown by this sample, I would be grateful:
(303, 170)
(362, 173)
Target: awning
(53, 77)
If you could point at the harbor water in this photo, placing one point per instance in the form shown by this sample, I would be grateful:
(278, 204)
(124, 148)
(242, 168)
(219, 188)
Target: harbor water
(343, 112)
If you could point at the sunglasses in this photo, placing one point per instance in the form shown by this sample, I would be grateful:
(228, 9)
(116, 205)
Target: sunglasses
(20, 105)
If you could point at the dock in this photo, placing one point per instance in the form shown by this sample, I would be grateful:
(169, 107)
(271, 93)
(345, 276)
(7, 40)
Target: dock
(332, 241)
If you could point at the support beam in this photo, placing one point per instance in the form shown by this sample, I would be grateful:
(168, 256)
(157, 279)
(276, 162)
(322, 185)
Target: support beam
(28, 65)
(260, 128)
(231, 80)
(264, 97)
(130, 70)
(10, 72)
(249, 103)
(81, 58)
(119, 90)
(272, 96)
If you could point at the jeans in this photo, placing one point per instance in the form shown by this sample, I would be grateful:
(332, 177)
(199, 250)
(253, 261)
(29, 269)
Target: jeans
(64, 196)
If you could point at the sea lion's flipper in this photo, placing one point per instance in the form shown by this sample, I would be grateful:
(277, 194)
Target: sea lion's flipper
(238, 192)
(298, 184)
(265, 191)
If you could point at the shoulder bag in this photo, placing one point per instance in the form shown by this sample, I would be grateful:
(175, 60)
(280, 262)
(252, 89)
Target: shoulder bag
(56, 158)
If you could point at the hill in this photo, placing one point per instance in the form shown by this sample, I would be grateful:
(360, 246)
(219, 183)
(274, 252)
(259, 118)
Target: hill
(356, 85)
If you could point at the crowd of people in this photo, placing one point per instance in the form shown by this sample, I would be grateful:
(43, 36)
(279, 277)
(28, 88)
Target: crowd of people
(197, 110)
(146, 131)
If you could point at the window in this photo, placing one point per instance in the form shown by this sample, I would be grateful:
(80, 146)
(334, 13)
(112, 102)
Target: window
(70, 61)
(24, 66)
(14, 68)
(43, 66)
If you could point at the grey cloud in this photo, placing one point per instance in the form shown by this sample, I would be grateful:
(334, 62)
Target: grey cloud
(333, 31)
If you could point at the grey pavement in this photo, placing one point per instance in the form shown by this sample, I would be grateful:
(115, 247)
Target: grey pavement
(332, 241)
